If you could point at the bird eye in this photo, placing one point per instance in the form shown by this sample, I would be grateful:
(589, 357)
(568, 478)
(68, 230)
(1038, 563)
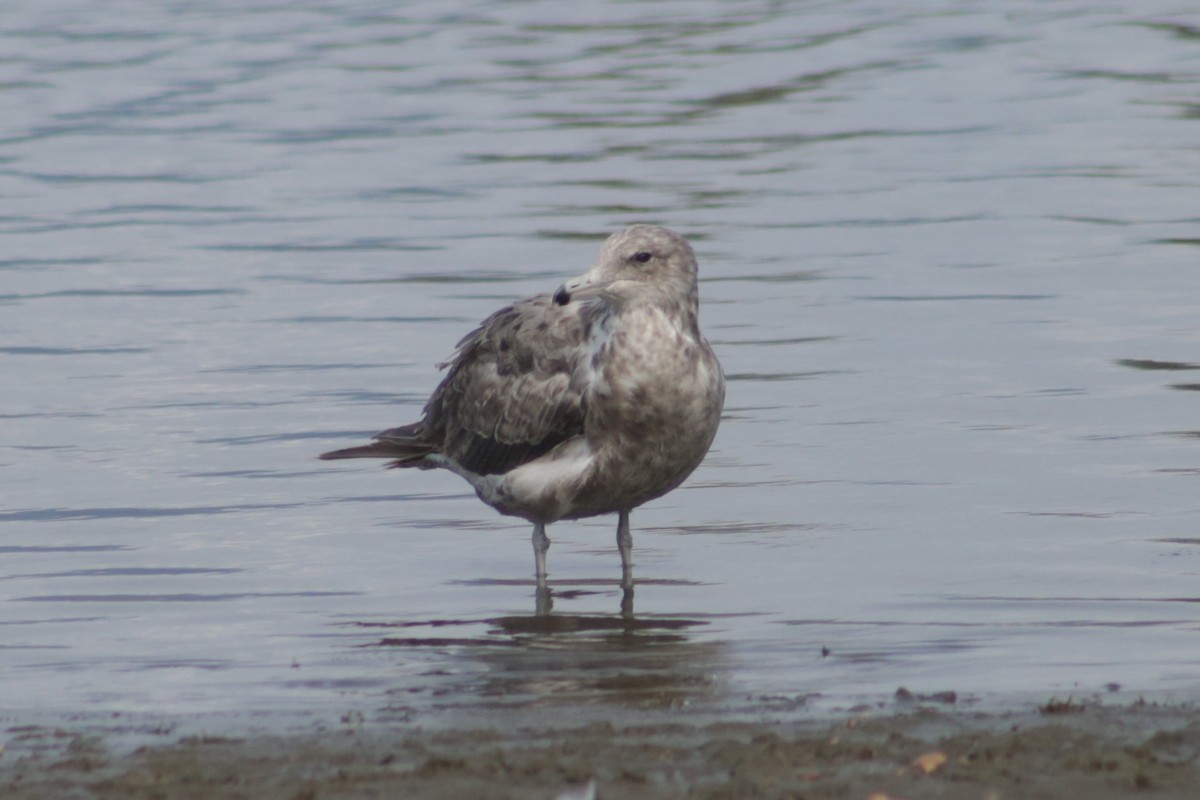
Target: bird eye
(642, 257)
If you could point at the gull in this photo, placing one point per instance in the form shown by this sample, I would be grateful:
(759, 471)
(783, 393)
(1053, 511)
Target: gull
(590, 400)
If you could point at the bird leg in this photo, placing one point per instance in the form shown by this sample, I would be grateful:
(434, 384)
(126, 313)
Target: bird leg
(625, 545)
(543, 600)
(541, 543)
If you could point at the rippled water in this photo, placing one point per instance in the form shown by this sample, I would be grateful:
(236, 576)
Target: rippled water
(950, 265)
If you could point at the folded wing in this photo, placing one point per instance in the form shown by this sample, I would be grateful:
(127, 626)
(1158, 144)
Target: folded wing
(516, 389)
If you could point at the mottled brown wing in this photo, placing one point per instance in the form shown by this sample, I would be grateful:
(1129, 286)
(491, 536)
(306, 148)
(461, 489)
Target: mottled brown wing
(513, 391)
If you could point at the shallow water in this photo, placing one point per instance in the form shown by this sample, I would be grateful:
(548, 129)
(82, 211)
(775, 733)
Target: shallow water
(949, 263)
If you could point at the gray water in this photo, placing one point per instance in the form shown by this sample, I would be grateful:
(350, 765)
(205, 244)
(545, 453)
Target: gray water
(949, 261)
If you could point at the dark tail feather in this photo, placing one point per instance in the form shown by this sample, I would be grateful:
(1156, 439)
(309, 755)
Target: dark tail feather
(376, 450)
(403, 444)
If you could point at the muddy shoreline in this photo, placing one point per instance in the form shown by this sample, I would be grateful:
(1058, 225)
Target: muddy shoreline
(929, 750)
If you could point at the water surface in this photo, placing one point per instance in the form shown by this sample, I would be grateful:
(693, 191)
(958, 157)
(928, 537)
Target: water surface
(948, 261)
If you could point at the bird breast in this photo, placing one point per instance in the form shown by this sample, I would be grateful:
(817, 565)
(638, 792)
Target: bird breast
(652, 409)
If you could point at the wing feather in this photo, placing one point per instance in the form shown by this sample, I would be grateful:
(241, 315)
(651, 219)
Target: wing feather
(514, 389)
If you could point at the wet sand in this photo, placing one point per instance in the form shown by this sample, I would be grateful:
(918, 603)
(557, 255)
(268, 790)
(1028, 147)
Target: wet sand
(1059, 750)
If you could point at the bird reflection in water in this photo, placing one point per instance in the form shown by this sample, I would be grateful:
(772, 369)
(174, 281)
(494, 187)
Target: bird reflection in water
(544, 598)
(551, 657)
(647, 661)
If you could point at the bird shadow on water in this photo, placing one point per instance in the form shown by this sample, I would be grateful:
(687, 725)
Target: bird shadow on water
(557, 658)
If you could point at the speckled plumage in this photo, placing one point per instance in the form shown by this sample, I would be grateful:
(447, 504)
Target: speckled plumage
(591, 400)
